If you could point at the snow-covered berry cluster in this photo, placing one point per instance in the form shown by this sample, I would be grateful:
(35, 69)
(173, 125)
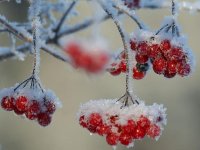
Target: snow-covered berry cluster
(33, 103)
(122, 124)
(86, 56)
(168, 56)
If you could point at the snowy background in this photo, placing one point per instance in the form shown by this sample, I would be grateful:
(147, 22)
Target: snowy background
(180, 95)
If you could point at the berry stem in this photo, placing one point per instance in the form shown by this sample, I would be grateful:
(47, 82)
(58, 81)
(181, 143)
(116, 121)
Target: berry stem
(128, 95)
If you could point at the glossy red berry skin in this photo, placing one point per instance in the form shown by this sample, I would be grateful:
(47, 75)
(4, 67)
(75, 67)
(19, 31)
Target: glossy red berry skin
(129, 127)
(165, 46)
(33, 110)
(116, 72)
(122, 66)
(138, 74)
(139, 132)
(159, 66)
(50, 106)
(44, 119)
(154, 51)
(103, 129)
(125, 138)
(95, 119)
(142, 59)
(172, 67)
(7, 103)
(112, 139)
(21, 103)
(143, 122)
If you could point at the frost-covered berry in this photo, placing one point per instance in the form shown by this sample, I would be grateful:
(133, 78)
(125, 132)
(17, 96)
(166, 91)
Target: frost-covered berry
(165, 46)
(33, 109)
(125, 138)
(184, 69)
(82, 121)
(103, 129)
(139, 132)
(95, 119)
(122, 66)
(172, 66)
(153, 131)
(7, 103)
(115, 72)
(112, 139)
(44, 119)
(137, 74)
(21, 103)
(133, 45)
(141, 58)
(142, 48)
(143, 122)
(50, 106)
(159, 65)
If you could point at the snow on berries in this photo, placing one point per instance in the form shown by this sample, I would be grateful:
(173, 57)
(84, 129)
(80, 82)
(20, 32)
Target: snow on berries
(89, 56)
(33, 103)
(122, 125)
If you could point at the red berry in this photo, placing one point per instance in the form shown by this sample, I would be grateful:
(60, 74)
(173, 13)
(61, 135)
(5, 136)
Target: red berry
(113, 119)
(33, 109)
(154, 51)
(184, 69)
(125, 138)
(142, 48)
(165, 46)
(167, 74)
(139, 132)
(7, 103)
(73, 49)
(92, 129)
(115, 72)
(112, 139)
(122, 66)
(176, 53)
(159, 65)
(172, 67)
(82, 121)
(153, 131)
(103, 129)
(143, 122)
(130, 127)
(21, 103)
(142, 59)
(44, 119)
(17, 112)
(50, 106)
(95, 119)
(133, 44)
(138, 74)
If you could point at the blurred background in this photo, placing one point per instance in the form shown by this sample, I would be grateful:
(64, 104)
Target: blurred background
(180, 95)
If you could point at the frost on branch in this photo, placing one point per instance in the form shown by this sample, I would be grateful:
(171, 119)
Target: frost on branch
(122, 124)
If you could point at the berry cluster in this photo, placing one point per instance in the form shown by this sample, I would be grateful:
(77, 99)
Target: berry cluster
(35, 105)
(168, 56)
(122, 125)
(83, 56)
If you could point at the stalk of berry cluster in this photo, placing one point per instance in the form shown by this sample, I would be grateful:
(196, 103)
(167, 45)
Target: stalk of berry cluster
(110, 10)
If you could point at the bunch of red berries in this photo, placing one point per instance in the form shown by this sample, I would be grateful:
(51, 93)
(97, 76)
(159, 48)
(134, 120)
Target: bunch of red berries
(122, 125)
(87, 57)
(35, 105)
(168, 56)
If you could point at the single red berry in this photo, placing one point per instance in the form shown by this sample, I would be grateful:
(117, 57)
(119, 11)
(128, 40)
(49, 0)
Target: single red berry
(115, 72)
(138, 74)
(129, 127)
(7, 103)
(184, 69)
(50, 106)
(21, 103)
(168, 74)
(154, 51)
(133, 44)
(82, 121)
(176, 54)
(125, 138)
(142, 59)
(153, 131)
(143, 122)
(165, 46)
(33, 110)
(95, 119)
(139, 132)
(122, 66)
(142, 48)
(172, 66)
(159, 65)
(92, 129)
(112, 139)
(103, 129)
(44, 119)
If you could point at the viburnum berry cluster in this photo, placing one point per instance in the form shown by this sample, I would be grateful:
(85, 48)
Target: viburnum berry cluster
(34, 103)
(89, 56)
(120, 124)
